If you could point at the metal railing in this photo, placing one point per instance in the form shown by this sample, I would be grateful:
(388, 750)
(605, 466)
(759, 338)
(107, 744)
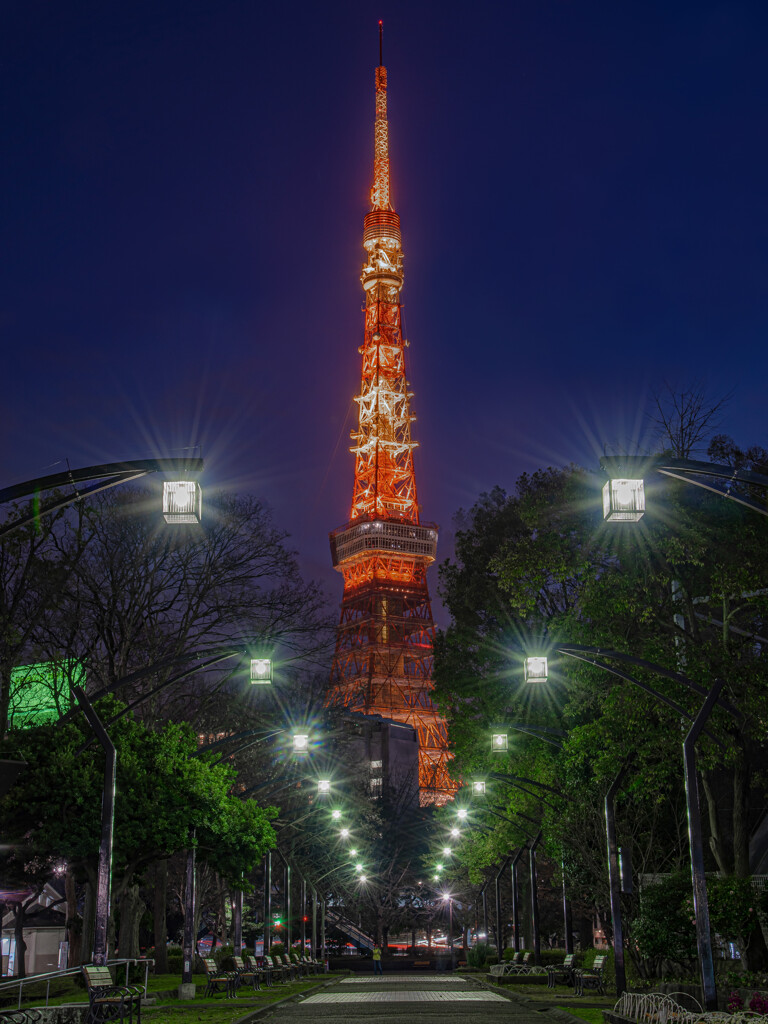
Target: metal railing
(36, 979)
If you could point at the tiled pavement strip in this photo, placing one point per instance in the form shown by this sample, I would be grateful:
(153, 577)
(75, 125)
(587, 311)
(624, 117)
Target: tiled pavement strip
(403, 998)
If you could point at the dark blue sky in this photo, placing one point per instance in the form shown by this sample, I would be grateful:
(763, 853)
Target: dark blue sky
(582, 188)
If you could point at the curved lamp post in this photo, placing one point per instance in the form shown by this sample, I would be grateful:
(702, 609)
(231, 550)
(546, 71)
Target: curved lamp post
(595, 656)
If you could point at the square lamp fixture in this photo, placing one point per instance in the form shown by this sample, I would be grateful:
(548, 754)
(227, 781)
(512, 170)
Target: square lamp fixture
(623, 501)
(323, 785)
(478, 787)
(300, 743)
(182, 501)
(261, 671)
(499, 743)
(535, 670)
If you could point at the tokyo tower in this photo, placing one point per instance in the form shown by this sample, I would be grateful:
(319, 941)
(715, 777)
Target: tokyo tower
(383, 658)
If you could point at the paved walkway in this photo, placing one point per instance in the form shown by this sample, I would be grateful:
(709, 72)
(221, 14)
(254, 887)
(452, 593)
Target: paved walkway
(402, 998)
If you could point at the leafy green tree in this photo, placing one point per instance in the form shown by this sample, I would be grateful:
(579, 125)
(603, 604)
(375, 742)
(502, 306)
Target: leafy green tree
(684, 588)
(163, 793)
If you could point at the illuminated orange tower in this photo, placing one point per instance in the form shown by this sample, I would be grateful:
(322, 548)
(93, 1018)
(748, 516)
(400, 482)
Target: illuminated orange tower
(383, 659)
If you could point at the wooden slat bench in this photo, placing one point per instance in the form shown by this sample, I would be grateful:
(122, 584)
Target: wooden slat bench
(108, 1001)
(217, 979)
(590, 977)
(562, 972)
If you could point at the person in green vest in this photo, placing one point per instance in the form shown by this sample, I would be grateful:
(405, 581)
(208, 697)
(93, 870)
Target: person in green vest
(377, 968)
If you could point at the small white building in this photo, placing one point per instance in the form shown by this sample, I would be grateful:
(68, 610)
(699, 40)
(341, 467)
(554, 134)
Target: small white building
(43, 935)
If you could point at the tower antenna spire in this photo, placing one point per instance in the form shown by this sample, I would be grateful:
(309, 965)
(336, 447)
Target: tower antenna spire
(381, 43)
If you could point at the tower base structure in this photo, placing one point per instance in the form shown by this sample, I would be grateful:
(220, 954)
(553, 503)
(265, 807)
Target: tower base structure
(383, 659)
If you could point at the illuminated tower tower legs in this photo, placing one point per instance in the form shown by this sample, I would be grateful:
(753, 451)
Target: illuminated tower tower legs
(383, 659)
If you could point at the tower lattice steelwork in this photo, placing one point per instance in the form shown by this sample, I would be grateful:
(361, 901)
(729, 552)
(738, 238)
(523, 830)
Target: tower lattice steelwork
(383, 659)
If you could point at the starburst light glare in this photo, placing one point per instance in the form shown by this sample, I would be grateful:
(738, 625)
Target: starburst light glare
(462, 813)
(623, 501)
(336, 814)
(446, 851)
(499, 742)
(478, 787)
(536, 670)
(455, 833)
(438, 867)
(353, 853)
(344, 833)
(358, 868)
(363, 878)
(323, 786)
(182, 501)
(300, 743)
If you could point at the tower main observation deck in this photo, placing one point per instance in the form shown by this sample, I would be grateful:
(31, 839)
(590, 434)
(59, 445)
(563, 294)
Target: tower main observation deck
(383, 658)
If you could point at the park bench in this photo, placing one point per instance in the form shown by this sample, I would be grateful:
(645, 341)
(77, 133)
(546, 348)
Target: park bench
(313, 965)
(590, 977)
(262, 968)
(246, 973)
(276, 966)
(294, 971)
(518, 962)
(422, 963)
(29, 1016)
(217, 979)
(108, 1001)
(561, 972)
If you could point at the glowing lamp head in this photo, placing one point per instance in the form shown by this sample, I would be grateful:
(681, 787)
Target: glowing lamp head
(353, 853)
(363, 878)
(261, 671)
(182, 501)
(623, 501)
(323, 785)
(462, 813)
(455, 833)
(300, 743)
(499, 743)
(344, 833)
(536, 670)
(358, 868)
(478, 787)
(336, 815)
(438, 867)
(446, 851)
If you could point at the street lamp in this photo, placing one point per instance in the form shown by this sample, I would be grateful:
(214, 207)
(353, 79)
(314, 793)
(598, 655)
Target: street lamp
(261, 671)
(300, 743)
(462, 813)
(455, 833)
(182, 501)
(499, 743)
(478, 788)
(535, 670)
(446, 851)
(623, 500)
(336, 814)
(323, 786)
(344, 833)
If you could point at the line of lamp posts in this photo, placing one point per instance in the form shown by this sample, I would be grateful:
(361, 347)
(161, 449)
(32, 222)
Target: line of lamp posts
(624, 501)
(181, 504)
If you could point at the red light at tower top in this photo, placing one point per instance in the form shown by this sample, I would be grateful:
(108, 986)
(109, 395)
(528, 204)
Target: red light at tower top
(383, 660)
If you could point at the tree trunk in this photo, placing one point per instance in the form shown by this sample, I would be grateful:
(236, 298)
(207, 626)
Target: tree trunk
(89, 923)
(385, 937)
(222, 914)
(74, 921)
(18, 934)
(131, 909)
(741, 816)
(160, 924)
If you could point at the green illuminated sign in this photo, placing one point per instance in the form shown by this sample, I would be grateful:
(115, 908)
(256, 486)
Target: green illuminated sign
(41, 693)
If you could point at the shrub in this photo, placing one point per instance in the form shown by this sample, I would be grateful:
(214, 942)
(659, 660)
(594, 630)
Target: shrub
(479, 955)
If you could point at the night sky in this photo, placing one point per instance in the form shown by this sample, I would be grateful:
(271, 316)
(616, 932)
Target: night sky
(582, 189)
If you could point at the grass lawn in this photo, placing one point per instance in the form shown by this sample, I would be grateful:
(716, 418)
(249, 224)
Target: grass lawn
(69, 991)
(593, 1016)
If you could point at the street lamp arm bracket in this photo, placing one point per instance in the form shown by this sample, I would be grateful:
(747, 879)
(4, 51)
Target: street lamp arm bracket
(574, 650)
